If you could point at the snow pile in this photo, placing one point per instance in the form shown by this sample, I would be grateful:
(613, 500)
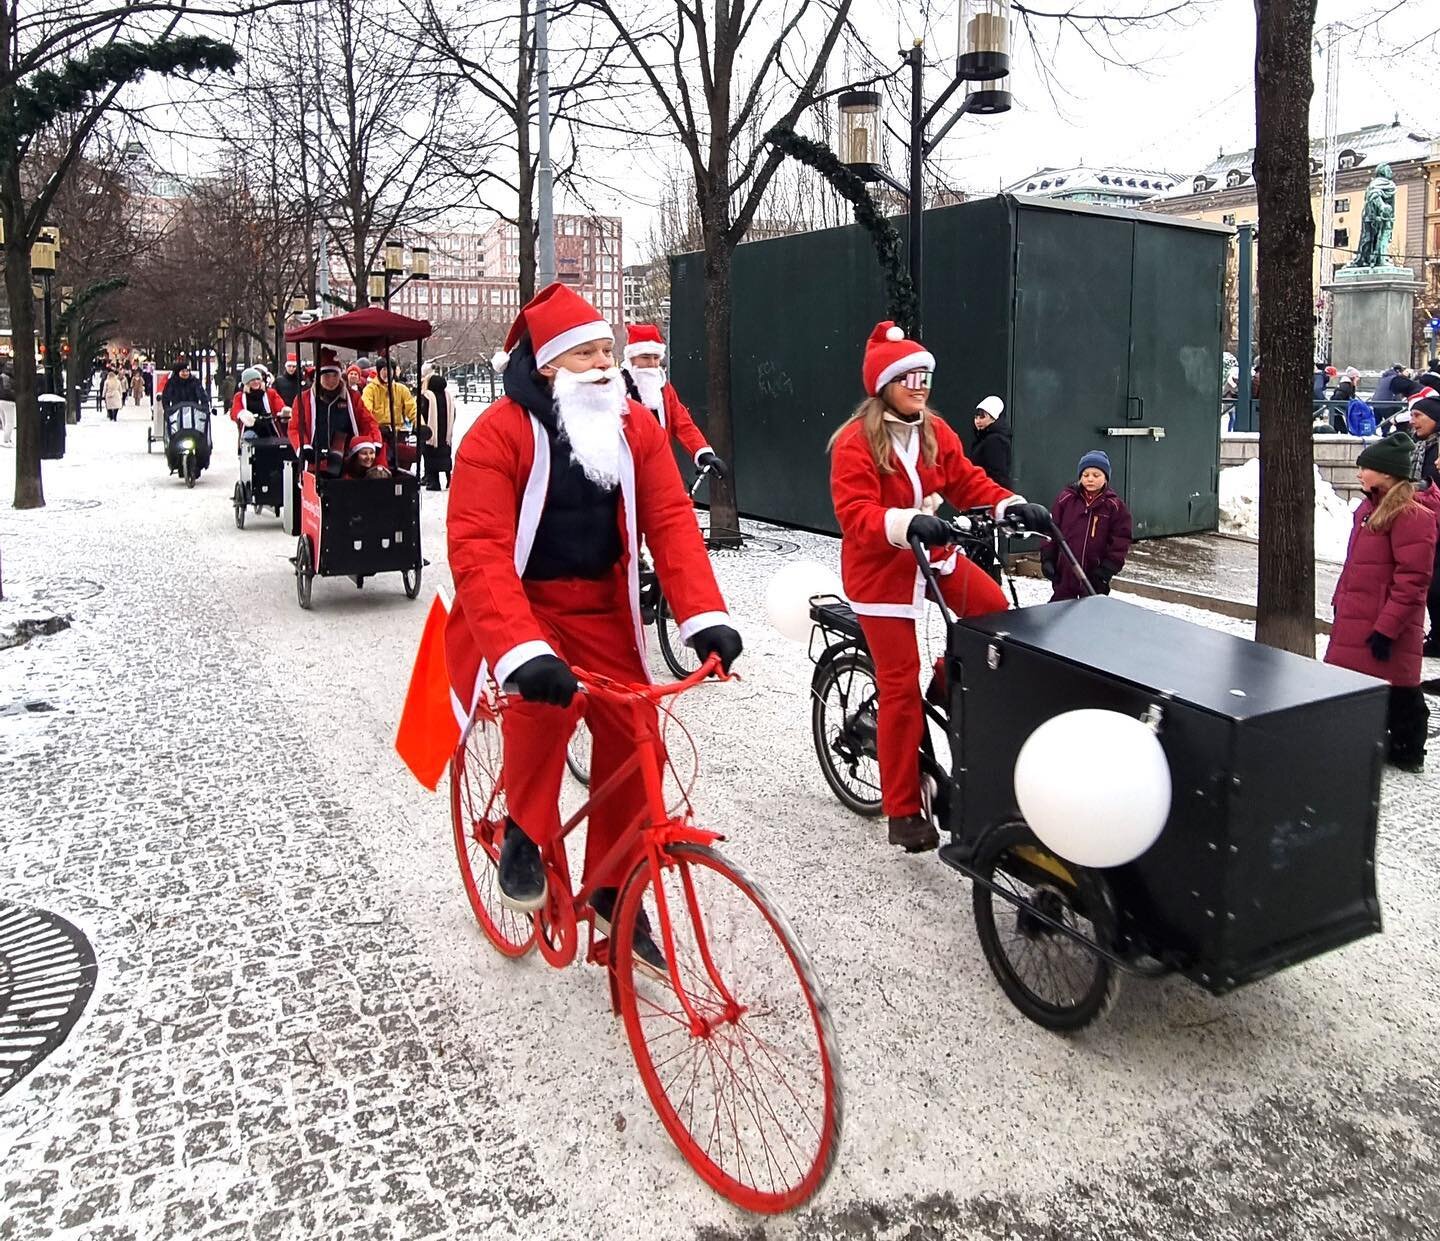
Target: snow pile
(1240, 510)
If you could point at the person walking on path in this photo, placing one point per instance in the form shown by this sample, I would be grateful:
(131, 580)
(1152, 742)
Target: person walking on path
(437, 415)
(1380, 597)
(1092, 518)
(1425, 472)
(991, 451)
(7, 405)
(113, 394)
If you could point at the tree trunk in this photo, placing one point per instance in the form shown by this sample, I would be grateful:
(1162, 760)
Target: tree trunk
(719, 429)
(29, 490)
(1285, 605)
(525, 174)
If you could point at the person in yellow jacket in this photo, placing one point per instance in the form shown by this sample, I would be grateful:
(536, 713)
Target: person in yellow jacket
(378, 399)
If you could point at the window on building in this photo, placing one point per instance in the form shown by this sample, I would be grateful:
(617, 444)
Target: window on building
(1348, 159)
(1228, 218)
(1342, 239)
(1342, 205)
(1234, 179)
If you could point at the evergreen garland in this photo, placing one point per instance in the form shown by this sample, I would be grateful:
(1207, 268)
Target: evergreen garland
(51, 93)
(89, 294)
(898, 288)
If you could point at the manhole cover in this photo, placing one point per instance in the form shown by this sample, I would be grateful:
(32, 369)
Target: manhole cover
(47, 973)
(68, 590)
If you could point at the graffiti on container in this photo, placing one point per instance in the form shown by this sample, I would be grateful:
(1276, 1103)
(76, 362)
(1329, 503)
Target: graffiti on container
(774, 383)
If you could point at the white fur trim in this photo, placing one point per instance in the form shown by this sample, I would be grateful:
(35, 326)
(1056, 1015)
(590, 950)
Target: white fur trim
(922, 361)
(1008, 502)
(357, 445)
(700, 452)
(499, 360)
(632, 547)
(644, 348)
(703, 620)
(580, 334)
(516, 656)
(897, 521)
(532, 503)
(894, 332)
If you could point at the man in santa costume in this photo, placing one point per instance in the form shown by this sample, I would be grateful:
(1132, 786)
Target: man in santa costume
(645, 378)
(553, 489)
(329, 418)
(891, 466)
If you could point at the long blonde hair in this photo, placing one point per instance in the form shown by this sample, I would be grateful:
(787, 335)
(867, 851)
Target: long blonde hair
(1391, 505)
(870, 413)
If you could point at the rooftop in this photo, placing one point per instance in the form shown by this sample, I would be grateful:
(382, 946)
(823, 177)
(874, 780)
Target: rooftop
(1104, 179)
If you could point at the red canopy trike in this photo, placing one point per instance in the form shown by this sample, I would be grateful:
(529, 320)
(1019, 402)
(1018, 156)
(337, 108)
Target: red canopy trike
(358, 527)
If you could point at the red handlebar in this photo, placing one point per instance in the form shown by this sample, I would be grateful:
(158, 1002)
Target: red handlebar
(593, 682)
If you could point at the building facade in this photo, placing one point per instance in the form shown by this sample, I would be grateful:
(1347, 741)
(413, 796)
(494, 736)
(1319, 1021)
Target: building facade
(1224, 192)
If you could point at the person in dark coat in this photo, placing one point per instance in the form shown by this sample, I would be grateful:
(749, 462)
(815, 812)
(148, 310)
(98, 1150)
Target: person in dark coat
(1340, 397)
(183, 387)
(1323, 376)
(1094, 521)
(1425, 471)
(991, 451)
(287, 382)
(1383, 389)
(1380, 597)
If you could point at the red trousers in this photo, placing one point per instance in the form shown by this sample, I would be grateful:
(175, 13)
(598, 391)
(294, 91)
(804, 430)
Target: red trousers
(969, 591)
(588, 624)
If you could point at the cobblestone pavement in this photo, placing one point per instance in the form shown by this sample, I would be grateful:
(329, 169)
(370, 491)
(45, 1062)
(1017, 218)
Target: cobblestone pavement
(299, 1032)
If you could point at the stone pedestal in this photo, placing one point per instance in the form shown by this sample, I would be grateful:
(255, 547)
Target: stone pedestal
(1374, 316)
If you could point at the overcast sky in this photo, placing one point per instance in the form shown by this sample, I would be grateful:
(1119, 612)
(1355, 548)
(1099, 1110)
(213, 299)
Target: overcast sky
(1190, 96)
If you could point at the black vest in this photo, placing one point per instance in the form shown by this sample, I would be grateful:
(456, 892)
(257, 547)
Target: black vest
(579, 531)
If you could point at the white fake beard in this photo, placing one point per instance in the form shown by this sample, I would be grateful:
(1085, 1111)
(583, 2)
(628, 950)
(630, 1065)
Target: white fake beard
(589, 412)
(650, 383)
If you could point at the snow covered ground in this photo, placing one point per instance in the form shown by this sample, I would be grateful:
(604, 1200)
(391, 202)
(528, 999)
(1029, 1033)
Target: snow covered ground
(1240, 510)
(299, 1031)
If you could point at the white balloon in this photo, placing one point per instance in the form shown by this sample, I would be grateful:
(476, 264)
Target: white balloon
(1094, 786)
(787, 597)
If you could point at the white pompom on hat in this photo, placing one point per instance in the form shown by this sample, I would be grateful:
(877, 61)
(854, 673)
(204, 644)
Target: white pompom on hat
(889, 354)
(557, 319)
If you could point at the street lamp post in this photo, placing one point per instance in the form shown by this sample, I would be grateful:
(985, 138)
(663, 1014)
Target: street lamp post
(984, 61)
(43, 256)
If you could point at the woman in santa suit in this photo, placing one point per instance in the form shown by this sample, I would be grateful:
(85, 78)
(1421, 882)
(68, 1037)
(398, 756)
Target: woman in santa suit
(256, 407)
(891, 465)
(554, 486)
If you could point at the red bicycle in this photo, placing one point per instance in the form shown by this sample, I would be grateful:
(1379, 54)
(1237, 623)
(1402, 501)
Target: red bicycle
(733, 1041)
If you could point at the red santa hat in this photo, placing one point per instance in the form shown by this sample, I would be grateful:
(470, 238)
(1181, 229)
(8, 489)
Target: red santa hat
(357, 444)
(557, 318)
(290, 357)
(329, 360)
(888, 355)
(642, 339)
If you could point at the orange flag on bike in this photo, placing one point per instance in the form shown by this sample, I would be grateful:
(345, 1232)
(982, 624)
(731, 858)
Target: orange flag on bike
(429, 732)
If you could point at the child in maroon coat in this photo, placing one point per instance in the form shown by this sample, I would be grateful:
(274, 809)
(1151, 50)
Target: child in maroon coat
(1380, 597)
(1094, 521)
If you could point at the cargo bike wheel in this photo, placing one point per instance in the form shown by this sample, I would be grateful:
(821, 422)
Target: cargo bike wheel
(304, 571)
(478, 810)
(240, 505)
(1055, 979)
(844, 700)
(744, 1072)
(577, 753)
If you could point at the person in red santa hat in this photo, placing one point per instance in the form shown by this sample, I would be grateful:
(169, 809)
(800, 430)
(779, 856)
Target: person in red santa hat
(553, 489)
(891, 465)
(645, 378)
(328, 417)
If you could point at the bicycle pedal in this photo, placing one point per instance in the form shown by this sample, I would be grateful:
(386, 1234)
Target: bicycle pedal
(958, 854)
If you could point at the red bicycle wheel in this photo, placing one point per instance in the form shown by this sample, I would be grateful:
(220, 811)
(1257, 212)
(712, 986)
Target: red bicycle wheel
(477, 814)
(754, 1101)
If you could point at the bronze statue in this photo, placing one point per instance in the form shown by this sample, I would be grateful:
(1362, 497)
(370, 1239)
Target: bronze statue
(1378, 221)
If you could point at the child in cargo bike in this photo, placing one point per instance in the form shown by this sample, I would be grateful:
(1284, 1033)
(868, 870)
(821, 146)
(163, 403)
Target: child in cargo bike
(891, 466)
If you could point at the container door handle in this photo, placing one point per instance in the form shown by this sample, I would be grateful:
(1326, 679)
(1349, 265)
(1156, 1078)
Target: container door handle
(1153, 433)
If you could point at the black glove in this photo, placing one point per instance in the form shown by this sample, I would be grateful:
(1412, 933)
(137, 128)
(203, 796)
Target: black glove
(1100, 580)
(1380, 645)
(307, 454)
(546, 678)
(708, 457)
(1029, 516)
(718, 640)
(929, 530)
(1047, 570)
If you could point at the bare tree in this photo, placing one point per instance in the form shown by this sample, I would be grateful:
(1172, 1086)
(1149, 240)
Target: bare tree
(1285, 604)
(758, 64)
(68, 59)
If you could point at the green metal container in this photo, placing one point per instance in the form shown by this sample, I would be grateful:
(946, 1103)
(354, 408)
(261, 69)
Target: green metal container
(1099, 327)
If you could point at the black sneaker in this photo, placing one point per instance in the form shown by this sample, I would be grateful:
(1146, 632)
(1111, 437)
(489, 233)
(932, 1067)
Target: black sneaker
(1407, 762)
(522, 874)
(1431, 649)
(647, 952)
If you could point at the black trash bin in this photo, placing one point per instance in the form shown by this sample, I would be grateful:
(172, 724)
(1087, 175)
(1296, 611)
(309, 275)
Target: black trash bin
(52, 427)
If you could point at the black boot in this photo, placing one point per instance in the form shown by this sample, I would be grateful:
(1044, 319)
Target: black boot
(522, 873)
(647, 952)
(914, 833)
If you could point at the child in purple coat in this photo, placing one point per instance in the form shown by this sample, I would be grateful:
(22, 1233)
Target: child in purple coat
(1094, 521)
